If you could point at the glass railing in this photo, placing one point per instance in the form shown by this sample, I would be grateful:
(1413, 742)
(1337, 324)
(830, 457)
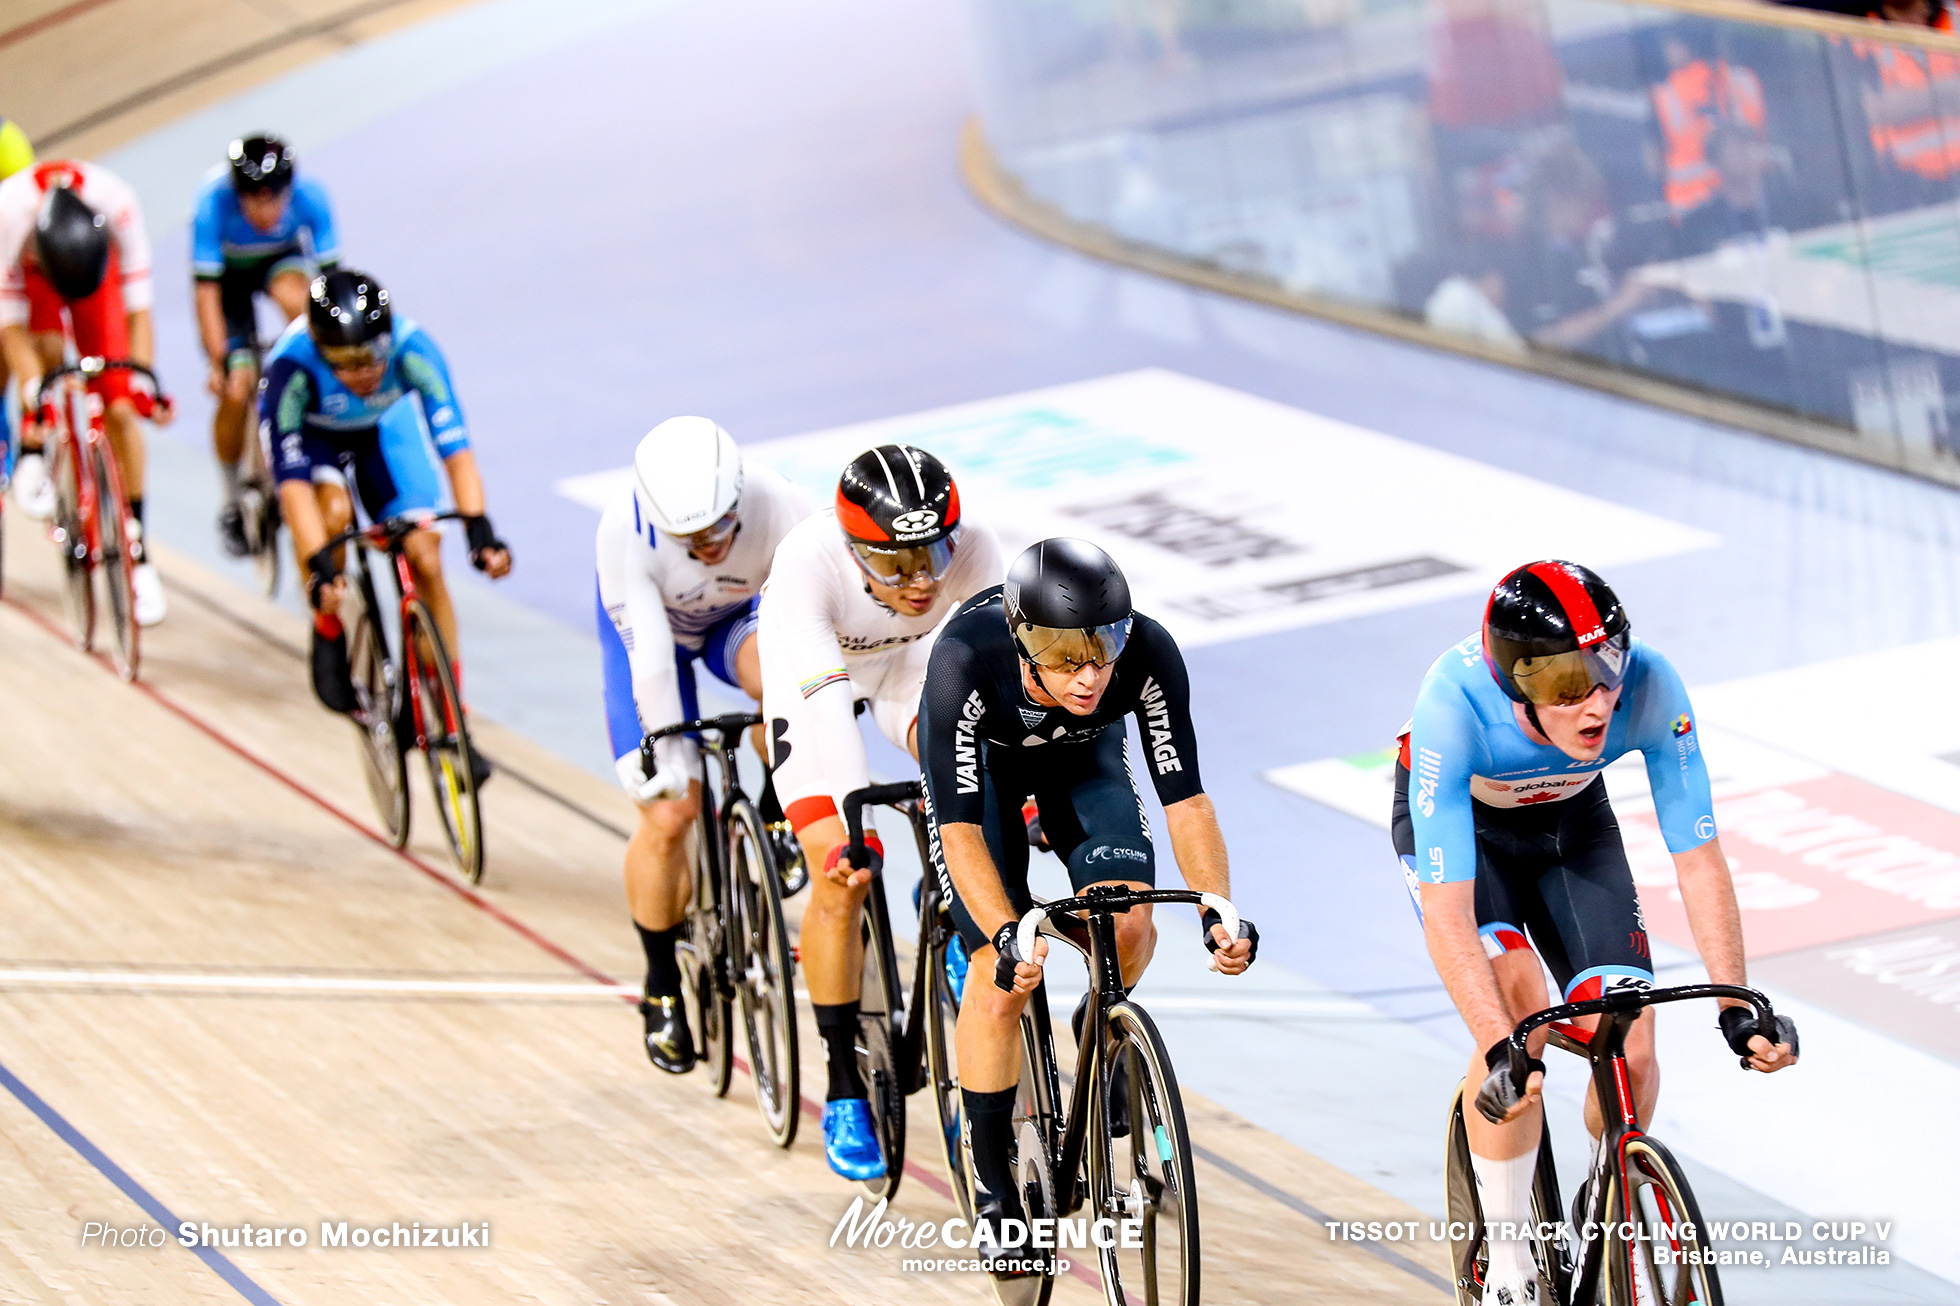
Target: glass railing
(1747, 201)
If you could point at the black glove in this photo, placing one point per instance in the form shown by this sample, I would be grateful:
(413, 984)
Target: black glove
(483, 541)
(1007, 943)
(323, 569)
(1738, 1025)
(1247, 930)
(1500, 1092)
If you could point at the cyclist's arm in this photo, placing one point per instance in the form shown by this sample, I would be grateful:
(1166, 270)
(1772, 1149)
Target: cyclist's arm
(952, 714)
(211, 321)
(807, 692)
(285, 399)
(637, 638)
(316, 213)
(425, 372)
(465, 482)
(142, 340)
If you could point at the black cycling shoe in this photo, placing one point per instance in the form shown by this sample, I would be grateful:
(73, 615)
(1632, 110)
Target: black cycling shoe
(231, 531)
(333, 679)
(480, 768)
(790, 862)
(1119, 1077)
(670, 1044)
(1001, 1261)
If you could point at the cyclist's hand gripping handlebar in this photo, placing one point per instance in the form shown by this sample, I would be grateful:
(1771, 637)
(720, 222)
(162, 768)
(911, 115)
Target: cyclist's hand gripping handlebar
(1030, 924)
(1739, 1025)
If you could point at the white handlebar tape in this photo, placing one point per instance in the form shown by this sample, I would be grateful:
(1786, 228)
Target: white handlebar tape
(1030, 926)
(1228, 916)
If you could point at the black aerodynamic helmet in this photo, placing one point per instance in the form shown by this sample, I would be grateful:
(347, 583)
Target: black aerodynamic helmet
(1553, 632)
(1067, 604)
(900, 513)
(71, 243)
(261, 163)
(349, 311)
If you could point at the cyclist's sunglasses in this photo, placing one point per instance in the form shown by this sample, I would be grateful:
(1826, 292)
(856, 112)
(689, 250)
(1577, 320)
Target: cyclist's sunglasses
(353, 358)
(1563, 679)
(1068, 651)
(713, 537)
(914, 565)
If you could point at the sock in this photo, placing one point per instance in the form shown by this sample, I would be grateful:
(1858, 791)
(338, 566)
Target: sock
(1504, 1193)
(136, 511)
(663, 972)
(767, 807)
(139, 553)
(991, 1118)
(228, 480)
(838, 1023)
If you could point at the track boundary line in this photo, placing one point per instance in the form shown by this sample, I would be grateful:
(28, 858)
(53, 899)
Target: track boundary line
(216, 1260)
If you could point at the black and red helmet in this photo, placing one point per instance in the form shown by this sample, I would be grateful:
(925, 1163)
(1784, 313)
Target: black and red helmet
(1553, 632)
(900, 513)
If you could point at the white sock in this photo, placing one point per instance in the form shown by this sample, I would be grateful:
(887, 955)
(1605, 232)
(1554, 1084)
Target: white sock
(1504, 1192)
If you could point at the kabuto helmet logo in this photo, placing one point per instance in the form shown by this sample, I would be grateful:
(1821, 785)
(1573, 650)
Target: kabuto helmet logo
(911, 524)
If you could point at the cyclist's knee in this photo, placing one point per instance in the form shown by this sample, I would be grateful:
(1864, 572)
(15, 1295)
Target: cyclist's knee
(985, 1004)
(1136, 934)
(668, 820)
(424, 550)
(239, 383)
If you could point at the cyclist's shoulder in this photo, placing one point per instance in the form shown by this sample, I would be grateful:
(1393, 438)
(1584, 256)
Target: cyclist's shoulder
(215, 195)
(983, 612)
(1459, 685)
(310, 193)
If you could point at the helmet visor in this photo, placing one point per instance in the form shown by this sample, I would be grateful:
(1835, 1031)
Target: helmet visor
(1069, 650)
(911, 565)
(713, 537)
(1562, 679)
(352, 358)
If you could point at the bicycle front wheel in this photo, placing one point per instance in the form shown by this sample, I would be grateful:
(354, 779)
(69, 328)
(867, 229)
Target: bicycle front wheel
(1031, 1158)
(878, 1039)
(377, 710)
(1148, 1175)
(445, 738)
(118, 565)
(259, 503)
(71, 536)
(765, 974)
(704, 957)
(1670, 1265)
(942, 1016)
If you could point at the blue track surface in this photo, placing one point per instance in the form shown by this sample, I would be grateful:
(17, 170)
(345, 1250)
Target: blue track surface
(752, 211)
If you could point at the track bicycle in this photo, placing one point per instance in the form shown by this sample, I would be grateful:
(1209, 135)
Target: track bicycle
(1633, 1185)
(736, 948)
(258, 493)
(92, 526)
(411, 700)
(1134, 1166)
(905, 1038)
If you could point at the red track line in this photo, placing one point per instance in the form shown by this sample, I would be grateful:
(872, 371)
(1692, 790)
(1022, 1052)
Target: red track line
(53, 18)
(447, 881)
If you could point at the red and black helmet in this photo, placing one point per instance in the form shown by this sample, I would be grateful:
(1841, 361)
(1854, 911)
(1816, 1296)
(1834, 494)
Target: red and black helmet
(1553, 632)
(900, 512)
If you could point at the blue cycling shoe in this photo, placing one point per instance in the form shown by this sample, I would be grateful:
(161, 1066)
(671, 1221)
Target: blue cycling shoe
(850, 1141)
(956, 961)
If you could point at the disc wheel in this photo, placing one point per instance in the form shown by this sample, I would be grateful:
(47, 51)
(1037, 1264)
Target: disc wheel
(71, 536)
(764, 971)
(377, 711)
(1669, 1268)
(445, 739)
(1148, 1174)
(117, 566)
(877, 1042)
(943, 1065)
(702, 954)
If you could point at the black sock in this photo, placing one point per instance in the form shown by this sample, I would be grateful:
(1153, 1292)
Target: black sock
(136, 509)
(663, 972)
(838, 1023)
(767, 807)
(991, 1118)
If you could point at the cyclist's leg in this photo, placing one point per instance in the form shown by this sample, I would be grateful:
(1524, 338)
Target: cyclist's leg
(1094, 819)
(286, 285)
(236, 287)
(733, 655)
(1594, 934)
(396, 474)
(658, 882)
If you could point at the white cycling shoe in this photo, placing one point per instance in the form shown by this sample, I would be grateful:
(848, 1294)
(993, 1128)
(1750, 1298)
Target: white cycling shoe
(150, 602)
(33, 487)
(1512, 1281)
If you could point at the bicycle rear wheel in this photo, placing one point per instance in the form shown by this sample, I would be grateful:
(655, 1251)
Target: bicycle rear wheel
(377, 709)
(764, 970)
(71, 536)
(1671, 1266)
(703, 956)
(445, 738)
(1149, 1174)
(878, 1039)
(117, 565)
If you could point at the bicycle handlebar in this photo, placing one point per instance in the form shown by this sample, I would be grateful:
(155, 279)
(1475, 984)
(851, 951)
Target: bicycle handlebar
(1121, 900)
(90, 368)
(389, 533)
(725, 725)
(859, 852)
(1627, 1000)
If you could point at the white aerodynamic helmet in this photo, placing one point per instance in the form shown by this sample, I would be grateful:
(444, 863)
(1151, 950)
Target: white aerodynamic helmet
(688, 473)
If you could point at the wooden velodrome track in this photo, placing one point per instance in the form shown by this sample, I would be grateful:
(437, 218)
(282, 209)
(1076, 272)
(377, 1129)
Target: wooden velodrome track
(224, 1000)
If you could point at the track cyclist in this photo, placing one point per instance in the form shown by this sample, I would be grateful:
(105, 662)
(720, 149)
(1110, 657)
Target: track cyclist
(16, 153)
(258, 229)
(331, 382)
(1025, 696)
(1511, 852)
(848, 616)
(72, 241)
(683, 554)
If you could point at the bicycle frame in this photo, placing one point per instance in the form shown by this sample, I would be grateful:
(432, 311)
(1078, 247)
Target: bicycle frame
(388, 537)
(1605, 1049)
(902, 797)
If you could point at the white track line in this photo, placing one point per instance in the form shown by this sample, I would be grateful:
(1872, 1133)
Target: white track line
(98, 979)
